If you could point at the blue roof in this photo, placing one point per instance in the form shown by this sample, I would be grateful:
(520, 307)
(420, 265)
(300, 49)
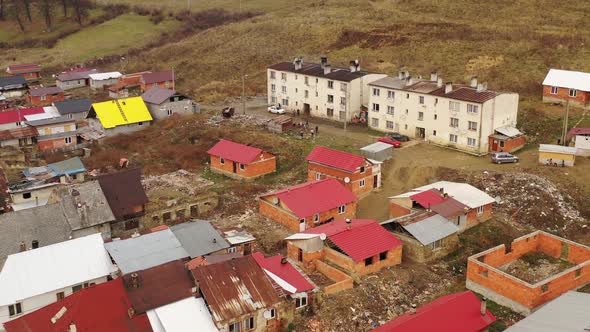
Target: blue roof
(68, 167)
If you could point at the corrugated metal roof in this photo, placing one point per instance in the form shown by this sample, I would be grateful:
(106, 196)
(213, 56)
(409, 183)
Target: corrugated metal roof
(68, 166)
(389, 83)
(145, 251)
(284, 274)
(568, 313)
(16, 115)
(377, 147)
(121, 112)
(18, 133)
(428, 198)
(557, 149)
(23, 68)
(181, 316)
(314, 69)
(235, 151)
(51, 90)
(568, 79)
(11, 82)
(76, 74)
(73, 106)
(334, 158)
(50, 121)
(450, 207)
(462, 192)
(579, 131)
(39, 271)
(199, 238)
(105, 76)
(508, 131)
(157, 95)
(235, 288)
(123, 191)
(158, 77)
(431, 229)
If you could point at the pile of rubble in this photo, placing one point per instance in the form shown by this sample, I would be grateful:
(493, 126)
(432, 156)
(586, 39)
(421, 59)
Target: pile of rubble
(181, 180)
(240, 119)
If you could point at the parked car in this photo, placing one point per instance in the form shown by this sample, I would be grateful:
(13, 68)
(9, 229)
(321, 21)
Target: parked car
(504, 157)
(398, 137)
(276, 110)
(389, 140)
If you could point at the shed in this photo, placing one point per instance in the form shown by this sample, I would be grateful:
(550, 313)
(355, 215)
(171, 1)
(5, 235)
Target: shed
(280, 124)
(378, 151)
(506, 139)
(556, 155)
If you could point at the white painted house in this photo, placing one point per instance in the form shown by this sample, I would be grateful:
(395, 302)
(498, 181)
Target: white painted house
(454, 115)
(35, 278)
(100, 80)
(580, 137)
(319, 90)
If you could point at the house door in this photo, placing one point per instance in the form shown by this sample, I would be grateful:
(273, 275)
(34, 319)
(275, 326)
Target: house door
(375, 181)
(301, 225)
(300, 255)
(235, 167)
(495, 145)
(306, 109)
(420, 132)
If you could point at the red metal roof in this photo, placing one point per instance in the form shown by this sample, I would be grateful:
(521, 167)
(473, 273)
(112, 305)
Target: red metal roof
(310, 198)
(157, 77)
(23, 68)
(99, 308)
(18, 133)
(334, 158)
(450, 207)
(459, 312)
(15, 115)
(579, 131)
(286, 271)
(365, 238)
(233, 151)
(428, 198)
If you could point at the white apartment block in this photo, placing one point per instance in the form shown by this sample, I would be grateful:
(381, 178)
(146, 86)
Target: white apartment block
(458, 116)
(319, 90)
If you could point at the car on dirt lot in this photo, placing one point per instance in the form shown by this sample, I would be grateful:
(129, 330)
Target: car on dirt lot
(276, 110)
(389, 140)
(504, 157)
(398, 137)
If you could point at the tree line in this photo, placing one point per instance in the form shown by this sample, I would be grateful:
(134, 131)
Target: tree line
(21, 11)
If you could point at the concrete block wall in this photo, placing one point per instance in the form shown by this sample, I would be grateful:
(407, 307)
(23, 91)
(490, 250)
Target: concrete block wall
(341, 279)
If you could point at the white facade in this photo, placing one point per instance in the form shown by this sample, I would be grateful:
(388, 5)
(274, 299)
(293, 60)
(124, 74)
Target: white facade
(582, 144)
(323, 91)
(424, 112)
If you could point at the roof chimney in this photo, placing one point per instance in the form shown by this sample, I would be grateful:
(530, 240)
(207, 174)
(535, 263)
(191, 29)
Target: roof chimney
(448, 87)
(409, 80)
(23, 246)
(348, 223)
(434, 76)
(482, 87)
(284, 260)
(413, 310)
(323, 61)
(483, 309)
(131, 312)
(135, 280)
(327, 69)
(474, 82)
(298, 62)
(355, 66)
(72, 328)
(401, 74)
(439, 82)
(35, 244)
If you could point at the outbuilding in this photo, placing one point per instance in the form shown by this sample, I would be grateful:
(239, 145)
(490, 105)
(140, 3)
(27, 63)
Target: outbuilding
(241, 161)
(580, 137)
(100, 80)
(45, 96)
(556, 155)
(378, 151)
(506, 139)
(30, 71)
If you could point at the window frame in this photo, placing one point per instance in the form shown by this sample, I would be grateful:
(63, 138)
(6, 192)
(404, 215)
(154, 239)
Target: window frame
(330, 84)
(554, 90)
(342, 209)
(249, 323)
(454, 122)
(470, 127)
(376, 92)
(369, 261)
(234, 327)
(316, 218)
(375, 107)
(574, 94)
(221, 161)
(362, 183)
(383, 256)
(480, 210)
(455, 141)
(15, 309)
(469, 140)
(299, 301)
(242, 167)
(331, 99)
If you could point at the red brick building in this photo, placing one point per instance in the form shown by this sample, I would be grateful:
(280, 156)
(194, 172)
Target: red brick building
(163, 79)
(506, 139)
(354, 172)
(30, 71)
(487, 274)
(55, 133)
(241, 161)
(45, 96)
(308, 205)
(562, 86)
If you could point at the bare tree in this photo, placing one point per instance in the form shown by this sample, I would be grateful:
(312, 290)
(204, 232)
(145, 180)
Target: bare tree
(80, 9)
(1, 10)
(46, 8)
(15, 11)
(64, 4)
(27, 9)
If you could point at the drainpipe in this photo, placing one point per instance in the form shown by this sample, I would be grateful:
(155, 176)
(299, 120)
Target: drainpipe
(481, 124)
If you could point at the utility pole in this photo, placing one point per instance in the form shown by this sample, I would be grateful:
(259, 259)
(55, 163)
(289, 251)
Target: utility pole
(244, 93)
(565, 121)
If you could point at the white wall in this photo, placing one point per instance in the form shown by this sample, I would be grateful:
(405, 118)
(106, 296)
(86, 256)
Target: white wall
(582, 143)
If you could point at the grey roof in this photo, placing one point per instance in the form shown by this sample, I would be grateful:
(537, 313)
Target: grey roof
(157, 95)
(431, 229)
(389, 82)
(49, 121)
(8, 82)
(85, 205)
(50, 90)
(73, 106)
(143, 252)
(199, 238)
(509, 131)
(377, 147)
(76, 75)
(568, 313)
(58, 135)
(46, 224)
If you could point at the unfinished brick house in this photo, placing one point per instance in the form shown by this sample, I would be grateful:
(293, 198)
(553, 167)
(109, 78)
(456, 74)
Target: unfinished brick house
(357, 246)
(461, 203)
(308, 205)
(45, 96)
(493, 273)
(355, 172)
(241, 161)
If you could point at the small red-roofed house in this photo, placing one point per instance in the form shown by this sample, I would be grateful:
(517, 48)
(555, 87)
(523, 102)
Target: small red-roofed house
(45, 96)
(355, 172)
(357, 246)
(241, 161)
(459, 312)
(309, 204)
(30, 71)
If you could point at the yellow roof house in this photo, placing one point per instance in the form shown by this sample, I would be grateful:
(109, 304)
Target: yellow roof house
(120, 112)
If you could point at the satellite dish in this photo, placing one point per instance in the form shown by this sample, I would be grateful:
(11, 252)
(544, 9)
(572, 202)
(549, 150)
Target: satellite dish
(267, 314)
(322, 236)
(275, 200)
(347, 180)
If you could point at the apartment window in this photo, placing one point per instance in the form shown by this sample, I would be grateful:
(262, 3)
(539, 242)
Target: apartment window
(68, 140)
(434, 133)
(343, 86)
(435, 116)
(306, 80)
(284, 89)
(362, 170)
(249, 323)
(389, 124)
(453, 138)
(407, 96)
(406, 111)
(454, 122)
(471, 125)
(405, 126)
(435, 101)
(273, 87)
(330, 98)
(454, 106)
(390, 110)
(479, 210)
(285, 102)
(316, 94)
(554, 90)
(27, 195)
(273, 100)
(368, 261)
(374, 122)
(316, 218)
(362, 183)
(43, 97)
(306, 93)
(420, 116)
(391, 94)
(421, 99)
(472, 108)
(342, 100)
(296, 77)
(330, 112)
(60, 296)
(235, 327)
(15, 309)
(317, 80)
(436, 245)
(341, 209)
(573, 92)
(375, 107)
(18, 124)
(330, 84)
(273, 312)
(284, 76)
(242, 167)
(318, 176)
(272, 74)
(301, 302)
(169, 112)
(383, 256)
(471, 141)
(221, 161)
(376, 92)
(232, 250)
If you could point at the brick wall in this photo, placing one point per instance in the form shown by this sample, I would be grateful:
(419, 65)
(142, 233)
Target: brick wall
(355, 178)
(394, 257)
(56, 143)
(562, 95)
(309, 258)
(36, 100)
(474, 219)
(342, 280)
(510, 144)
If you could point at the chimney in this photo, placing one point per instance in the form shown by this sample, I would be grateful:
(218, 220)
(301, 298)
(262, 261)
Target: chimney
(298, 62)
(439, 82)
(413, 310)
(23, 246)
(323, 61)
(327, 69)
(434, 76)
(474, 82)
(135, 280)
(482, 87)
(36, 200)
(409, 80)
(73, 328)
(483, 309)
(355, 66)
(448, 87)
(284, 260)
(131, 312)
(402, 73)
(348, 223)
(35, 244)
(214, 240)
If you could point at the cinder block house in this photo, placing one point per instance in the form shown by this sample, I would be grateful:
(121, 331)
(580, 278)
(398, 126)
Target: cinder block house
(355, 172)
(460, 203)
(309, 204)
(45, 96)
(357, 246)
(30, 71)
(562, 86)
(241, 161)
(163, 79)
(162, 103)
(489, 273)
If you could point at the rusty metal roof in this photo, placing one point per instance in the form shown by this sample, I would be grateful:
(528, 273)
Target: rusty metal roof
(235, 288)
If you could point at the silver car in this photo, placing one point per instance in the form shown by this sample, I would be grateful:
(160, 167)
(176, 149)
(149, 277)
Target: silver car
(504, 157)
